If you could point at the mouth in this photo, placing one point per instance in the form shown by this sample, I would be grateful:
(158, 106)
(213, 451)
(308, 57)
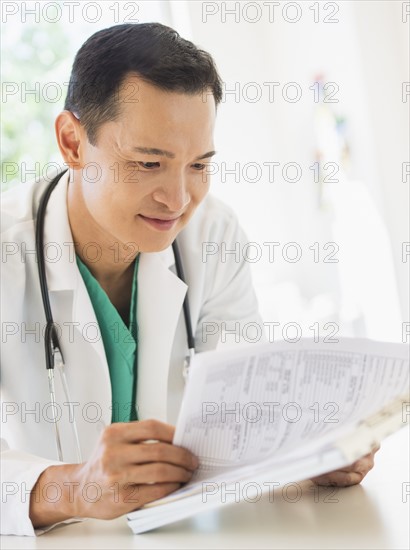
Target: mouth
(161, 224)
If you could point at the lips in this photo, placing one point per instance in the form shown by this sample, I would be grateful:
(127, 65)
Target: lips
(160, 219)
(162, 224)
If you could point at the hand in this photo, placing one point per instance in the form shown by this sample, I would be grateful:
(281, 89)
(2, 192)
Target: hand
(132, 464)
(131, 469)
(351, 475)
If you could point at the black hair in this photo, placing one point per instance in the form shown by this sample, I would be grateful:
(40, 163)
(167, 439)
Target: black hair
(154, 52)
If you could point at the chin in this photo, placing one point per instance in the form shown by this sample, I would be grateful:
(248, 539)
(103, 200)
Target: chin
(156, 244)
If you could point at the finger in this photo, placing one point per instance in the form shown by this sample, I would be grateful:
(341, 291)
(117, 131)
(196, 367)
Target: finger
(364, 461)
(157, 472)
(366, 457)
(161, 452)
(121, 456)
(363, 465)
(138, 431)
(118, 457)
(374, 450)
(359, 466)
(338, 479)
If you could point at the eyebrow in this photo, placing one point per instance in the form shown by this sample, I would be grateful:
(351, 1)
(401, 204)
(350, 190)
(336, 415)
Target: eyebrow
(168, 154)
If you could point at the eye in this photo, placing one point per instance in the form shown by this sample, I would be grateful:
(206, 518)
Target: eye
(132, 165)
(148, 165)
(199, 166)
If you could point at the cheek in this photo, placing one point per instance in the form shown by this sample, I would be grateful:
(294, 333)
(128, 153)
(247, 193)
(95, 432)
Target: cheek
(104, 204)
(97, 195)
(199, 191)
(112, 197)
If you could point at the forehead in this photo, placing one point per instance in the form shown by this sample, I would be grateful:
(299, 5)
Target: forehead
(147, 112)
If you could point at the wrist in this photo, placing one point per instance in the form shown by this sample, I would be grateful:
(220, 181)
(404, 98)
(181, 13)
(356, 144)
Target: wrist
(71, 489)
(56, 495)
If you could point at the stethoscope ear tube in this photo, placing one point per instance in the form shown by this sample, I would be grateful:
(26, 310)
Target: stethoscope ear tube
(51, 340)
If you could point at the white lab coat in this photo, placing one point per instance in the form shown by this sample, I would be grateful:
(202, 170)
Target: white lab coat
(218, 292)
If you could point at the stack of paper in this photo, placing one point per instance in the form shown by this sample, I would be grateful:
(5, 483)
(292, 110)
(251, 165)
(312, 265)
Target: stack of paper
(271, 414)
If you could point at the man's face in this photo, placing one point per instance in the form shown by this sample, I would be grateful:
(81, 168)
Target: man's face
(149, 169)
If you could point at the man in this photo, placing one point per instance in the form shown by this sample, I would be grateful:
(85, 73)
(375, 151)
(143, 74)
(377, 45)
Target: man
(137, 136)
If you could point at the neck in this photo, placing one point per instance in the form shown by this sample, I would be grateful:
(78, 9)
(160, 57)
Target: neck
(108, 259)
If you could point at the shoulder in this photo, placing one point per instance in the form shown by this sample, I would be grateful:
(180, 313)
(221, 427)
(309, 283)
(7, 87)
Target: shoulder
(19, 203)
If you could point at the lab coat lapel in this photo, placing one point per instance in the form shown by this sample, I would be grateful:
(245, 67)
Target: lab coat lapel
(160, 297)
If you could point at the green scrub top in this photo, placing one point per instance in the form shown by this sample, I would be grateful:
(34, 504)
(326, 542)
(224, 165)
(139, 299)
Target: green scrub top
(120, 344)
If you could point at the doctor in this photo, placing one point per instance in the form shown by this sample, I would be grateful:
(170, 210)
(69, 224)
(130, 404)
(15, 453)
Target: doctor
(137, 136)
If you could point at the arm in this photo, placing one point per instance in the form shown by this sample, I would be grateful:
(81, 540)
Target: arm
(19, 472)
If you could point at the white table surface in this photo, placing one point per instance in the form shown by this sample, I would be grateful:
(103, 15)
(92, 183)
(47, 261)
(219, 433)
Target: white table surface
(371, 515)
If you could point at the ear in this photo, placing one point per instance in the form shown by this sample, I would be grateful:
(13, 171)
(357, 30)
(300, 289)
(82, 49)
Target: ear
(71, 139)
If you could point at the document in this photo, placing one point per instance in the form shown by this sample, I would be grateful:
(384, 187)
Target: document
(278, 413)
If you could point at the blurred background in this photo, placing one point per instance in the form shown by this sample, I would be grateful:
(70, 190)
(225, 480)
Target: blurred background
(312, 141)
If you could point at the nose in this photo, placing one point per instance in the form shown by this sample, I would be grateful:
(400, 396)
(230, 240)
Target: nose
(173, 193)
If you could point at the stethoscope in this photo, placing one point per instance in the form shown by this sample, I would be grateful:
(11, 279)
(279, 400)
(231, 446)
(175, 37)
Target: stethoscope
(54, 356)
